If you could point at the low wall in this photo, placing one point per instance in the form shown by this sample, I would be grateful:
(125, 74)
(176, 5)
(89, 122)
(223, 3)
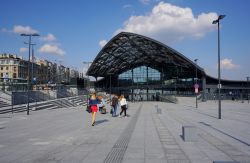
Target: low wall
(43, 95)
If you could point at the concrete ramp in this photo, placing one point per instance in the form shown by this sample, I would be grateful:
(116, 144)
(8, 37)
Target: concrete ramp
(188, 101)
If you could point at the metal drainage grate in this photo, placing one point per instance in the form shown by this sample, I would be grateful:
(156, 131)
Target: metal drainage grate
(117, 152)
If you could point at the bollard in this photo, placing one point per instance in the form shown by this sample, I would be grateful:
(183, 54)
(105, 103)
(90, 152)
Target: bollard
(189, 133)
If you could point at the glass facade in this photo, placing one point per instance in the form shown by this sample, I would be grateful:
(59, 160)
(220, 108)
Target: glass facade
(141, 75)
(148, 83)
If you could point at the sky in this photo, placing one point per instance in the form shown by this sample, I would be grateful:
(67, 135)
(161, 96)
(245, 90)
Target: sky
(74, 31)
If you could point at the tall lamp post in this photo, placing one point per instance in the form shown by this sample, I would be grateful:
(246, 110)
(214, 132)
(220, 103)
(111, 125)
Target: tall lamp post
(217, 21)
(196, 85)
(32, 60)
(88, 63)
(248, 89)
(28, 80)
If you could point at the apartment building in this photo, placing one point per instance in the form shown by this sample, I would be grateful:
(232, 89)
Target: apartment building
(15, 69)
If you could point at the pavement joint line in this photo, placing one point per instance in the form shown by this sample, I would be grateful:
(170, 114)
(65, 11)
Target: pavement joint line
(228, 149)
(219, 144)
(66, 135)
(162, 131)
(118, 151)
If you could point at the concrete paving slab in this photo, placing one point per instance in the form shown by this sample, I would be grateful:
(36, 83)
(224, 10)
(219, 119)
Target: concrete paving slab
(66, 135)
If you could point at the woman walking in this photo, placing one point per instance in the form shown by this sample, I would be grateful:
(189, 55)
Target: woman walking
(123, 103)
(93, 101)
(114, 103)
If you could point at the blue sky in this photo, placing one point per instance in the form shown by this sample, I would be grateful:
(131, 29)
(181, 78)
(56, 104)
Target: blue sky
(73, 31)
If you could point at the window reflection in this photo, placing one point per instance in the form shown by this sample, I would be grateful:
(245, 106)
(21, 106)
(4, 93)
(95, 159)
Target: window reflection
(140, 76)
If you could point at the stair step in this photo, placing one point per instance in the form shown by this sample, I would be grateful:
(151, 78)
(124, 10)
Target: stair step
(48, 105)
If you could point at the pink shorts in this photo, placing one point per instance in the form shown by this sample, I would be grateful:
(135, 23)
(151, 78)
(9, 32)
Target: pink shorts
(94, 108)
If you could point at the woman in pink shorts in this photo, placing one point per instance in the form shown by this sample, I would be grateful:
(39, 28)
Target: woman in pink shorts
(93, 101)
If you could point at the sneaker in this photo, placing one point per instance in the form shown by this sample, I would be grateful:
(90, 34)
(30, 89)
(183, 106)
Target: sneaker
(125, 116)
(119, 116)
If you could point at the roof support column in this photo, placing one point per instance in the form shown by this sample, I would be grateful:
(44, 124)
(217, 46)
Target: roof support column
(147, 83)
(132, 71)
(162, 80)
(204, 88)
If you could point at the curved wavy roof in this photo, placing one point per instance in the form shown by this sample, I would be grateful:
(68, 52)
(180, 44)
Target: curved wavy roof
(128, 50)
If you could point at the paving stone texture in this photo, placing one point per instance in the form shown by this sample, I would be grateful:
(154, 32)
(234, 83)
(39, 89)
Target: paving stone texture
(152, 133)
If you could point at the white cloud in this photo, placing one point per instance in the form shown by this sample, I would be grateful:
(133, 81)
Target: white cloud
(228, 64)
(102, 43)
(51, 49)
(169, 23)
(23, 29)
(49, 37)
(22, 50)
(127, 6)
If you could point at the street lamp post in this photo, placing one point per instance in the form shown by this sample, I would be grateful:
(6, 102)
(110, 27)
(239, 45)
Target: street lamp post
(32, 60)
(248, 89)
(217, 21)
(88, 63)
(196, 83)
(28, 80)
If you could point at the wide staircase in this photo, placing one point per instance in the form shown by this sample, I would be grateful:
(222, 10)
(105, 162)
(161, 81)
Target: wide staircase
(3, 103)
(5, 99)
(49, 105)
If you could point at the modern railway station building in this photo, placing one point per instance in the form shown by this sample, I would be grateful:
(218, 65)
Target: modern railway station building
(142, 68)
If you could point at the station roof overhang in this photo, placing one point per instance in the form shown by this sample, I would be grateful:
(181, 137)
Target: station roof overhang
(126, 51)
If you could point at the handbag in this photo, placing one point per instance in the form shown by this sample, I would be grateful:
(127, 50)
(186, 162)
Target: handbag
(111, 111)
(88, 108)
(103, 110)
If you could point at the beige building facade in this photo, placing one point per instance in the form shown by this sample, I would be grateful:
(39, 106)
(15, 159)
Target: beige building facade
(14, 69)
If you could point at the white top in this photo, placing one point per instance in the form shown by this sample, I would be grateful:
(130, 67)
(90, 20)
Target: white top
(123, 102)
(102, 103)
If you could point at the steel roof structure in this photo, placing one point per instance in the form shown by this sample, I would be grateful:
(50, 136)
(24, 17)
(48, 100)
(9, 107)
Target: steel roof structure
(126, 51)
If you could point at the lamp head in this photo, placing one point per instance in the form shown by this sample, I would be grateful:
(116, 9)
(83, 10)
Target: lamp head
(33, 34)
(221, 17)
(215, 21)
(23, 34)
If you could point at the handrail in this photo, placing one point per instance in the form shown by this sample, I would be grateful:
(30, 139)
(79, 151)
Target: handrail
(5, 99)
(5, 92)
(171, 99)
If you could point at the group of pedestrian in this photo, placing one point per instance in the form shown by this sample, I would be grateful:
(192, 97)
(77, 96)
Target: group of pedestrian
(95, 102)
(119, 101)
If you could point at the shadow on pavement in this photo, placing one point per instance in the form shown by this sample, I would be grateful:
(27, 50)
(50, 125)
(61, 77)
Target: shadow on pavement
(100, 121)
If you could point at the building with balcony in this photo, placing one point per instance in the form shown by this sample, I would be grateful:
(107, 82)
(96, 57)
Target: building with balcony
(14, 71)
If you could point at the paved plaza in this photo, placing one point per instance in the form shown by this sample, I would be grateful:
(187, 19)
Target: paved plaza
(151, 133)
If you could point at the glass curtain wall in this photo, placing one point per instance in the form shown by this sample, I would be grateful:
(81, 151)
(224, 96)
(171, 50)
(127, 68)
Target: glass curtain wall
(140, 78)
(146, 83)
